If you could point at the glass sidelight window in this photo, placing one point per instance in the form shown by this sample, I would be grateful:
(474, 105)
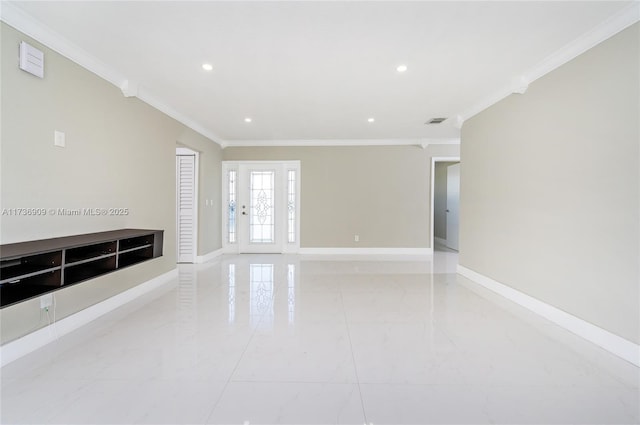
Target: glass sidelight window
(231, 205)
(291, 206)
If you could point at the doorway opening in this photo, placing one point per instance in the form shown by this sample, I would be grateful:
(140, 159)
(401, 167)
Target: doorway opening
(445, 201)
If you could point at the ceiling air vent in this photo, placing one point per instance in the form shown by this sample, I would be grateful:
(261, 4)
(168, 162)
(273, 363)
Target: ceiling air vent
(435, 120)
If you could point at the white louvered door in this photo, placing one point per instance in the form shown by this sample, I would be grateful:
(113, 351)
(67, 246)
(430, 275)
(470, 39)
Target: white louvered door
(186, 207)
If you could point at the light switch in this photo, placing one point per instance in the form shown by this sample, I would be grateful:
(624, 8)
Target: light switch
(58, 138)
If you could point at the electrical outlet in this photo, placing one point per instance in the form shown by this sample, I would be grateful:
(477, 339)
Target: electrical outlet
(356, 238)
(59, 138)
(46, 301)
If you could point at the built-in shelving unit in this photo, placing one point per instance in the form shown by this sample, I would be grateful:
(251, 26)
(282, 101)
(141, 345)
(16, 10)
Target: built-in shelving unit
(30, 269)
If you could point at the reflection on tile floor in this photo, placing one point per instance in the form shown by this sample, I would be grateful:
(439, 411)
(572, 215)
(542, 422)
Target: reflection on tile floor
(259, 339)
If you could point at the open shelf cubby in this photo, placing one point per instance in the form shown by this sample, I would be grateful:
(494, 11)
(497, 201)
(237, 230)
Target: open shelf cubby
(15, 268)
(134, 256)
(135, 243)
(30, 269)
(87, 270)
(90, 252)
(29, 287)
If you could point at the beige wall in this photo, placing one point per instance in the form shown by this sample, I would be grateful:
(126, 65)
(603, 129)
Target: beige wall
(550, 188)
(209, 184)
(120, 153)
(379, 193)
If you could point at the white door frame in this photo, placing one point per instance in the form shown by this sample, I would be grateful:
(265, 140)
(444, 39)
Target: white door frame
(182, 151)
(435, 159)
(453, 206)
(287, 247)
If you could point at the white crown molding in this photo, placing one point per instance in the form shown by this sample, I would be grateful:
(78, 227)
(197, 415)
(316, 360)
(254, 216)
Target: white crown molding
(160, 105)
(23, 22)
(342, 142)
(459, 121)
(615, 344)
(607, 29)
(483, 104)
(129, 88)
(519, 84)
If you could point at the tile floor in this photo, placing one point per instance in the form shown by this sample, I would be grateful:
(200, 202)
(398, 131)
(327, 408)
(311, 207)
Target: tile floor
(261, 339)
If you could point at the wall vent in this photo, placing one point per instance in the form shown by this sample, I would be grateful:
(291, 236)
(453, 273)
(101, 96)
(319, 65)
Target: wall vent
(31, 60)
(435, 120)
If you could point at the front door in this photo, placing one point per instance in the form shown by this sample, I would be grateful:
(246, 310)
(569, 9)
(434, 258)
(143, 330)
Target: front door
(260, 208)
(261, 216)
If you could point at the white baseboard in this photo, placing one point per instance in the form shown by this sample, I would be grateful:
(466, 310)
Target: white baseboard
(31, 342)
(440, 240)
(615, 344)
(366, 251)
(210, 256)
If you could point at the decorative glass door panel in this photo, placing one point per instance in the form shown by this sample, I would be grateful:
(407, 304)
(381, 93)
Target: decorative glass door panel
(262, 207)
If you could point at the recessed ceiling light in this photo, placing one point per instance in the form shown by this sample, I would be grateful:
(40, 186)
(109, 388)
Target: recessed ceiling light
(207, 67)
(401, 68)
(371, 119)
(248, 119)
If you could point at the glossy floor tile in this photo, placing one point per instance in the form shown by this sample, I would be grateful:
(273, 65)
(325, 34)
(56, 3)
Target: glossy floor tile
(262, 339)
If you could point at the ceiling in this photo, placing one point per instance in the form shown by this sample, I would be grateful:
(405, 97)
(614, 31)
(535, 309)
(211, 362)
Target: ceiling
(319, 70)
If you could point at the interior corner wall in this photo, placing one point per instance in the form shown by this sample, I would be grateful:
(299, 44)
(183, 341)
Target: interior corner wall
(209, 187)
(380, 193)
(550, 188)
(120, 153)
